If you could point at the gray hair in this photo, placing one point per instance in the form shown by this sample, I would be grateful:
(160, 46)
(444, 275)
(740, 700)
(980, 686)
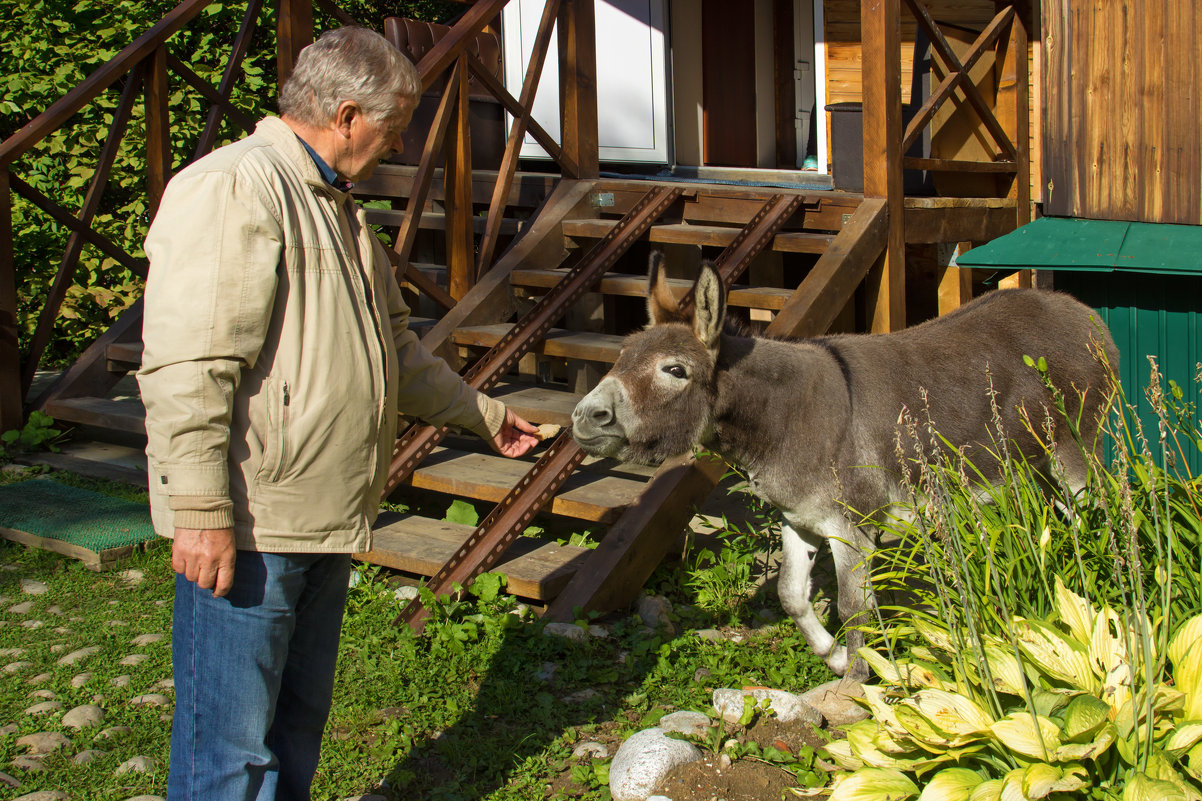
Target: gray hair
(348, 63)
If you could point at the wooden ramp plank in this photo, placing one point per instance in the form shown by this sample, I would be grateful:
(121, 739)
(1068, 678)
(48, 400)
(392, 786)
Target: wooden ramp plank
(587, 495)
(535, 568)
(125, 414)
(558, 343)
(635, 286)
(704, 235)
(539, 404)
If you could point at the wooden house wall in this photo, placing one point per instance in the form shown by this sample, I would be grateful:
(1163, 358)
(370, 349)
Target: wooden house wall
(1122, 113)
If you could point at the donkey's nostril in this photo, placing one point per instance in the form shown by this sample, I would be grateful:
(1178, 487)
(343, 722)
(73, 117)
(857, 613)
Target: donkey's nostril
(602, 416)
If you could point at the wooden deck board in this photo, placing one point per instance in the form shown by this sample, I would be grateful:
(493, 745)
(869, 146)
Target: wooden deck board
(635, 286)
(559, 343)
(705, 235)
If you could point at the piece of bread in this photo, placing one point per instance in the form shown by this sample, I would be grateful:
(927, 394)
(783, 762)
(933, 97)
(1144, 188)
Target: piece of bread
(548, 431)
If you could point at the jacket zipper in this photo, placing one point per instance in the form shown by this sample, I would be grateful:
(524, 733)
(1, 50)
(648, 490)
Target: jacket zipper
(281, 435)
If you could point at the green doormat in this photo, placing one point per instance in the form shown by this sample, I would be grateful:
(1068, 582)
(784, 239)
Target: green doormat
(98, 529)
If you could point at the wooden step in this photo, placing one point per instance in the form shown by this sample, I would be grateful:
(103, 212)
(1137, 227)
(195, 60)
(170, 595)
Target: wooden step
(635, 286)
(538, 403)
(705, 235)
(435, 221)
(120, 414)
(598, 493)
(126, 357)
(559, 343)
(536, 569)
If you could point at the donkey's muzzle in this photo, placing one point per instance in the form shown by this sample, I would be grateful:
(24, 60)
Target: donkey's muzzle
(595, 424)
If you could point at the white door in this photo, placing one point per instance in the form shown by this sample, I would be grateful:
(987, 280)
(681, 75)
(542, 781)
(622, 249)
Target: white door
(632, 86)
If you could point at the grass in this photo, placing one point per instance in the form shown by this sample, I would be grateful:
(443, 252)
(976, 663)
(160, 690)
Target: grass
(483, 705)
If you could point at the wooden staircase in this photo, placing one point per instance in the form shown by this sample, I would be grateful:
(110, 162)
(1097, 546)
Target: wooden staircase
(551, 230)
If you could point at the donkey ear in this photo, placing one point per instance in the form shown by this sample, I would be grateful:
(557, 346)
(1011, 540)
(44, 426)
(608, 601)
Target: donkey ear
(661, 303)
(709, 302)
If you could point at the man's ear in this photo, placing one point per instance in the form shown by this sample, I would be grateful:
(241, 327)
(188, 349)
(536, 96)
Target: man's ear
(709, 306)
(346, 113)
(661, 303)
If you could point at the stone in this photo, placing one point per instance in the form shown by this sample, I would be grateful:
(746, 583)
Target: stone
(32, 624)
(41, 678)
(368, 797)
(568, 631)
(87, 755)
(150, 699)
(11, 652)
(58, 648)
(45, 795)
(590, 750)
(132, 576)
(656, 612)
(147, 798)
(9, 728)
(83, 717)
(546, 671)
(145, 639)
(117, 624)
(23, 608)
(713, 635)
(138, 764)
(113, 733)
(79, 655)
(120, 681)
(30, 763)
(61, 630)
(695, 723)
(834, 702)
(16, 667)
(787, 706)
(45, 695)
(43, 742)
(55, 609)
(405, 594)
(164, 684)
(644, 760)
(8, 781)
(80, 680)
(44, 708)
(32, 587)
(581, 696)
(133, 660)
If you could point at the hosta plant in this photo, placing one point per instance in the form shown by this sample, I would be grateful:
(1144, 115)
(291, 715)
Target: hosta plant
(1082, 704)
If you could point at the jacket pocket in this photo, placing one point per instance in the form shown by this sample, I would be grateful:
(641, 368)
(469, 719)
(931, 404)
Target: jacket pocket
(275, 454)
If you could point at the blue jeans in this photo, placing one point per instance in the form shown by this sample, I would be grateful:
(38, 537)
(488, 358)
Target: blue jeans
(254, 677)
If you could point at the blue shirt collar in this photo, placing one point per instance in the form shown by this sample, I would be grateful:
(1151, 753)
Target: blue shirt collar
(327, 172)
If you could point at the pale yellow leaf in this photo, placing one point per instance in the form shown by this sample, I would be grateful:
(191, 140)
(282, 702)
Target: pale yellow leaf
(1074, 611)
(1037, 738)
(1186, 639)
(951, 784)
(875, 784)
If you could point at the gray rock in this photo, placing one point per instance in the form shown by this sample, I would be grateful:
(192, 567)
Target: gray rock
(31, 763)
(55, 609)
(23, 608)
(32, 587)
(713, 635)
(656, 612)
(79, 655)
(16, 667)
(546, 671)
(133, 659)
(32, 624)
(113, 733)
(45, 695)
(695, 723)
(568, 630)
(834, 701)
(147, 798)
(150, 699)
(44, 708)
(787, 706)
(164, 684)
(44, 795)
(80, 680)
(145, 639)
(8, 781)
(368, 797)
(43, 742)
(41, 678)
(581, 696)
(83, 717)
(87, 755)
(9, 728)
(121, 681)
(138, 764)
(132, 576)
(405, 594)
(644, 760)
(658, 798)
(590, 750)
(11, 652)
(58, 648)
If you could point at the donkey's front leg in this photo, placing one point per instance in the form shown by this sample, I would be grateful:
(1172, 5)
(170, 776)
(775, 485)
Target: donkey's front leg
(855, 600)
(795, 589)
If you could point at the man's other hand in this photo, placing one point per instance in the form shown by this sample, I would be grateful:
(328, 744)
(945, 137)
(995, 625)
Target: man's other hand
(205, 557)
(517, 437)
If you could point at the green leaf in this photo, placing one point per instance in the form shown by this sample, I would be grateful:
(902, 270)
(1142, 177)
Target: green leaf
(463, 513)
(1084, 715)
(1142, 788)
(874, 784)
(951, 784)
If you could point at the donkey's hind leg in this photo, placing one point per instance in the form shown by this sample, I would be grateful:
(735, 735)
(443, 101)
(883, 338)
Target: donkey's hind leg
(795, 587)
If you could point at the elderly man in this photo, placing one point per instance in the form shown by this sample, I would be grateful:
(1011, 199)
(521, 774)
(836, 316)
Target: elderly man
(277, 355)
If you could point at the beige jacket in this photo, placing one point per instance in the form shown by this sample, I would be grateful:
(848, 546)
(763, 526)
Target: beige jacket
(277, 354)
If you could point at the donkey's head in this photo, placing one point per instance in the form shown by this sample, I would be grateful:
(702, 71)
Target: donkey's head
(657, 400)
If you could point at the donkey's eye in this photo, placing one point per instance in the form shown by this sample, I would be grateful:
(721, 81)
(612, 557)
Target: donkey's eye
(676, 371)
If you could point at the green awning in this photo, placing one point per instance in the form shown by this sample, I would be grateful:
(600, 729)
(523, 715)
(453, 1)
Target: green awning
(1065, 243)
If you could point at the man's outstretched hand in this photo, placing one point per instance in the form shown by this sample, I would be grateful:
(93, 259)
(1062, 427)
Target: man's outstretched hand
(206, 557)
(517, 437)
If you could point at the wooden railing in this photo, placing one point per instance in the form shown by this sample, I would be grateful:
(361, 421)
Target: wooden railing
(145, 64)
(885, 139)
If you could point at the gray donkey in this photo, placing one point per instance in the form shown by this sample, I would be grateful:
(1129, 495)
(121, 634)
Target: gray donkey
(815, 423)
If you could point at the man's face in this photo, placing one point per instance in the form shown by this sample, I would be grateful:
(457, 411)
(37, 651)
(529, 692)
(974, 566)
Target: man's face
(371, 141)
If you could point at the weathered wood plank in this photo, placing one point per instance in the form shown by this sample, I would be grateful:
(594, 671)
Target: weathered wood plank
(559, 342)
(635, 286)
(703, 235)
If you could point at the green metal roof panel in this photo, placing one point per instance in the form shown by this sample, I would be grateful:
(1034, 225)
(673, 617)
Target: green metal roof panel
(1064, 243)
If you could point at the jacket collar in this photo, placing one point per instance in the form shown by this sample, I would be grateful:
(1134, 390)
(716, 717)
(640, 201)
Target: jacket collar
(282, 138)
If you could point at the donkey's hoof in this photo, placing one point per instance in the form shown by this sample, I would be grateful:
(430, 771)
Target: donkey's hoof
(837, 660)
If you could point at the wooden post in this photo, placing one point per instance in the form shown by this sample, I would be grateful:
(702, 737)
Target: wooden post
(294, 30)
(1013, 112)
(880, 25)
(578, 86)
(461, 244)
(10, 353)
(158, 127)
